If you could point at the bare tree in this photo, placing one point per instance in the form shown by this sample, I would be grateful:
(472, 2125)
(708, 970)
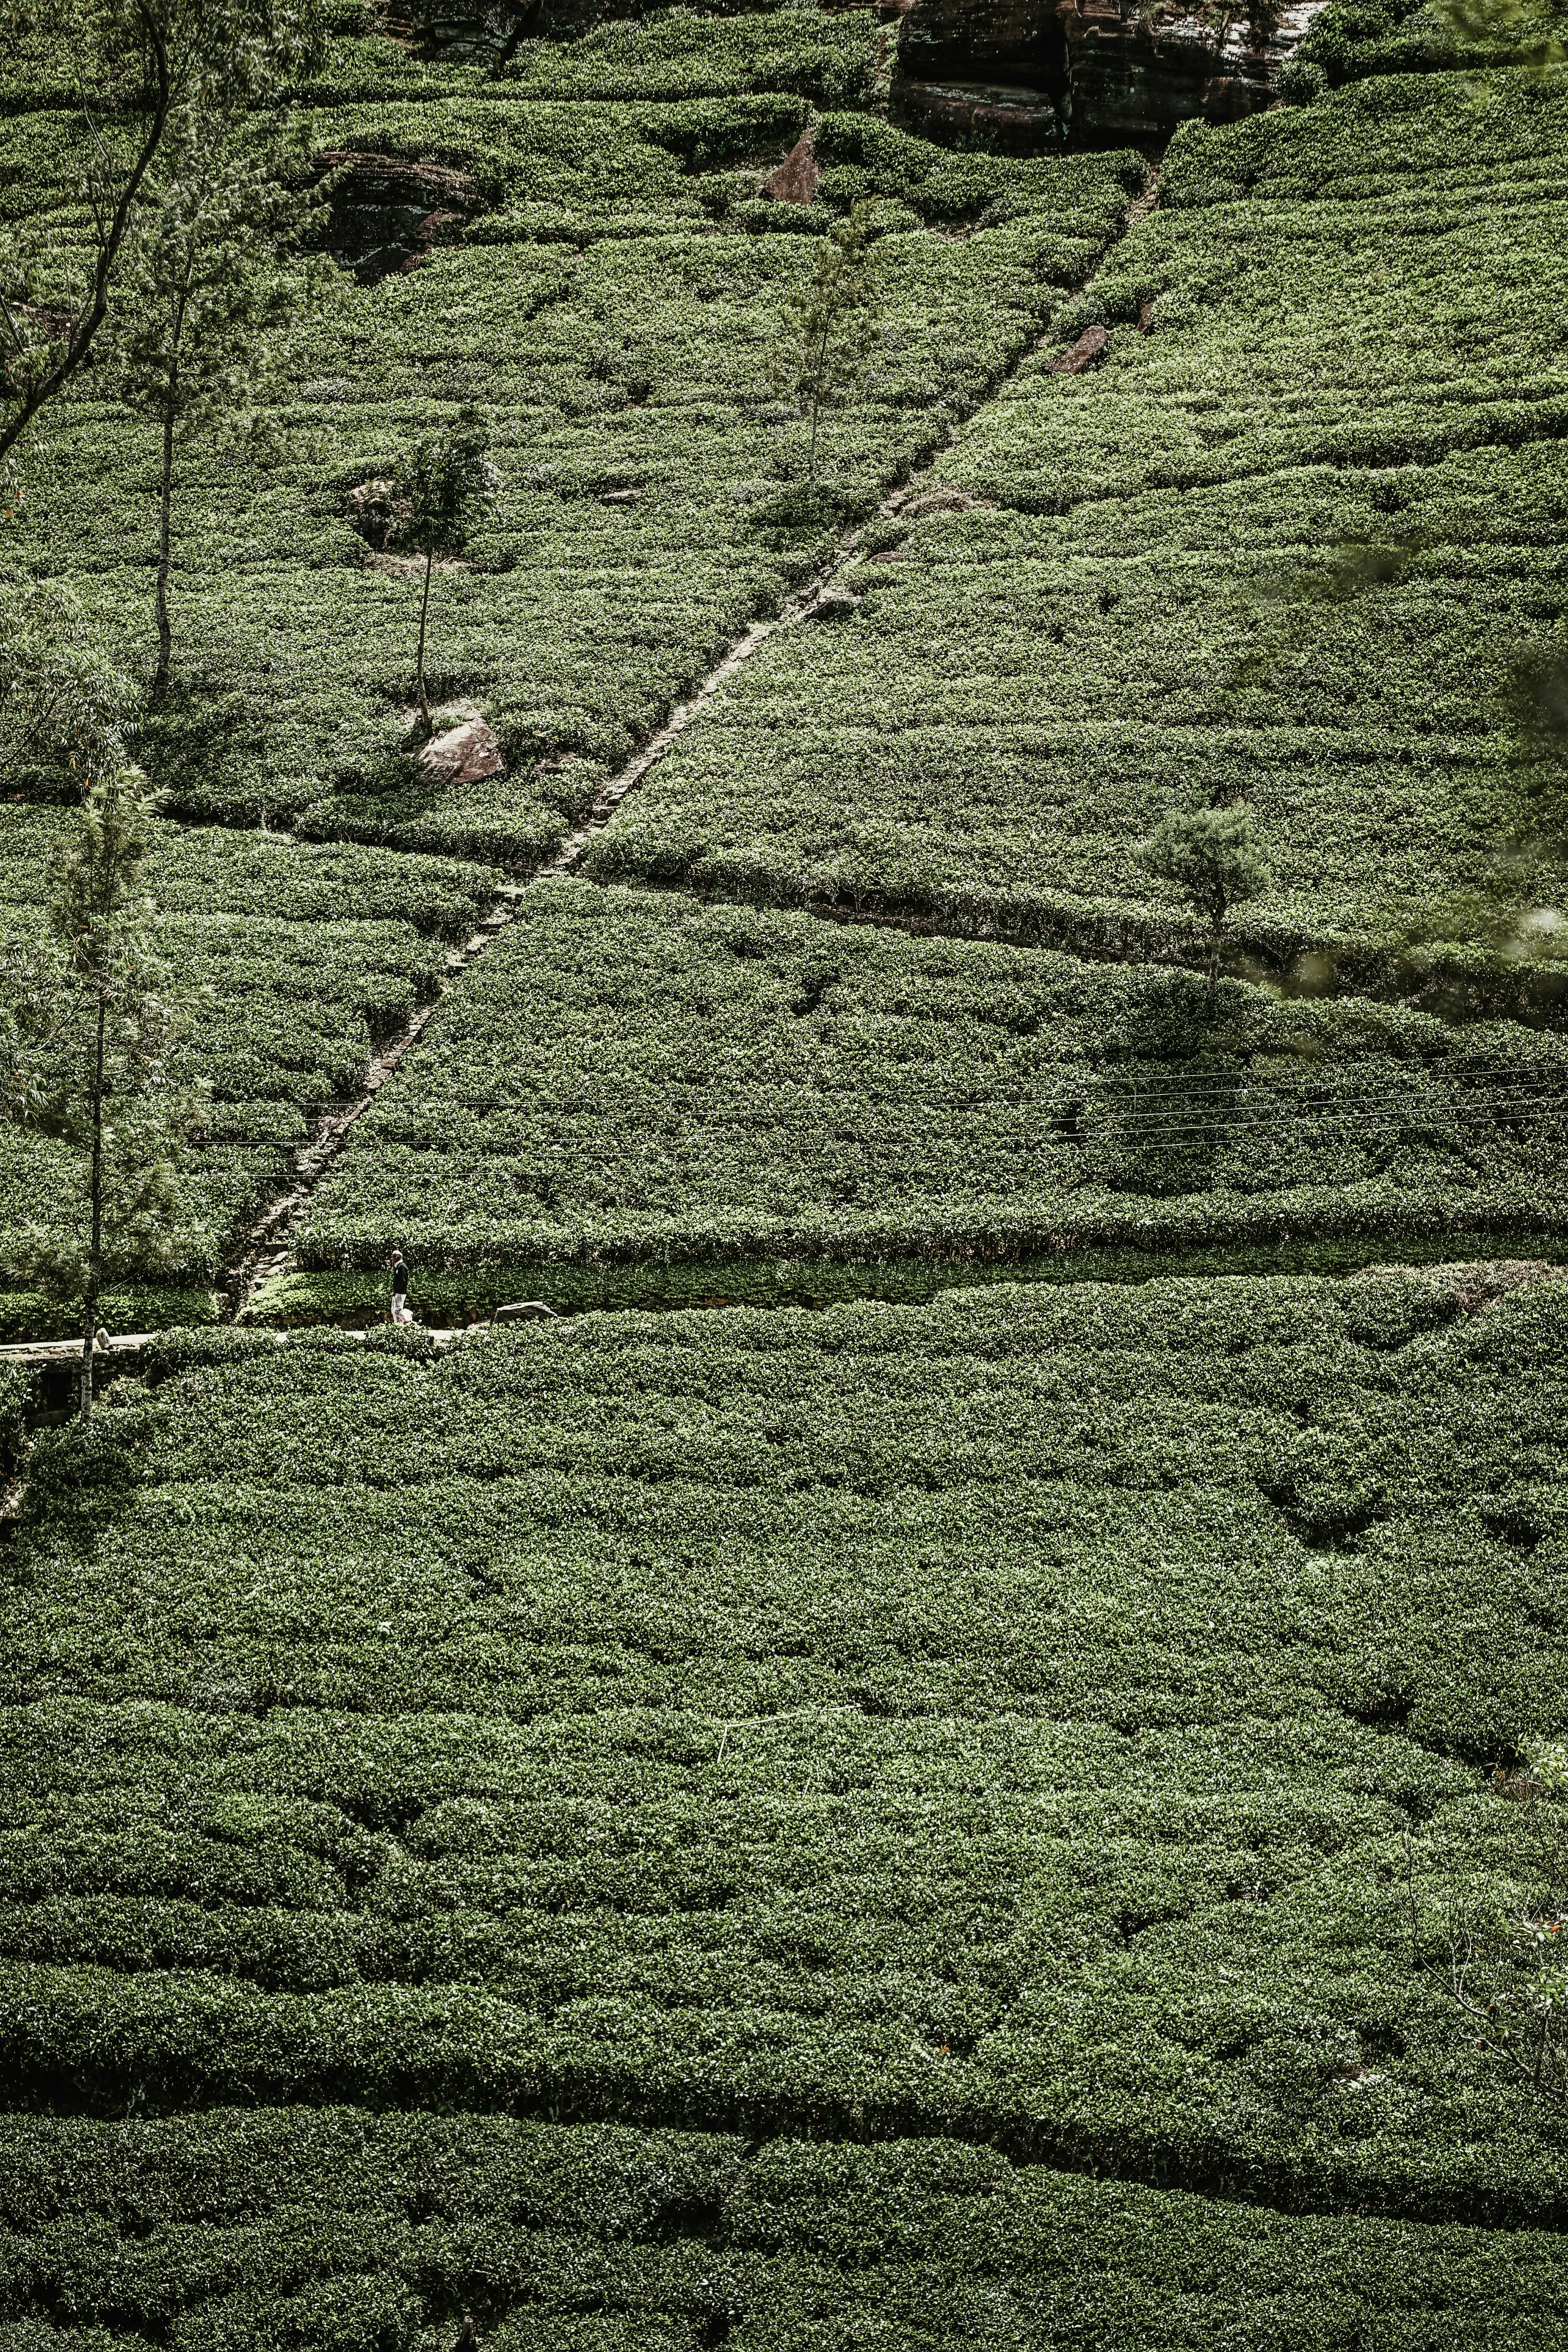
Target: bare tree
(446, 484)
(831, 323)
(1506, 1957)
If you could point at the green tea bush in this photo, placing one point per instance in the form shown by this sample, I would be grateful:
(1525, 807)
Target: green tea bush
(15, 1397)
(627, 1079)
(450, 1297)
(679, 53)
(611, 309)
(1350, 39)
(1000, 1719)
(239, 2223)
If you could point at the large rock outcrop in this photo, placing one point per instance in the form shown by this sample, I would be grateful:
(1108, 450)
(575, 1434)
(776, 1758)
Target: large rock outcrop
(1030, 73)
(386, 213)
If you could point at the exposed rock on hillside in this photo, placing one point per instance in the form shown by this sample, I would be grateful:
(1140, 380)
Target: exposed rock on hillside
(1087, 352)
(794, 182)
(388, 213)
(466, 754)
(465, 32)
(376, 510)
(1029, 72)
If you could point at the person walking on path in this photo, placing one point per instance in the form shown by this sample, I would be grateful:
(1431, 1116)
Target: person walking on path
(467, 2335)
(400, 1288)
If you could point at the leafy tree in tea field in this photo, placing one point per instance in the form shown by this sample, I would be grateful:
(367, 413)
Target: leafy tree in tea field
(446, 486)
(831, 323)
(1526, 34)
(1209, 855)
(137, 65)
(86, 1042)
(62, 707)
(207, 277)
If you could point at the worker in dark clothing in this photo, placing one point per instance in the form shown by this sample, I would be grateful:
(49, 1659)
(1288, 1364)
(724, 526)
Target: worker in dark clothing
(399, 1288)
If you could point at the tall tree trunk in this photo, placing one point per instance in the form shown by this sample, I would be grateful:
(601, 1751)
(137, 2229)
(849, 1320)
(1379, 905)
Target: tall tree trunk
(424, 610)
(95, 1254)
(1214, 968)
(811, 460)
(161, 677)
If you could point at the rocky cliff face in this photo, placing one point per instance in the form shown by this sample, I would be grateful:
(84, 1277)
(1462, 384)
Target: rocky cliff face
(1028, 73)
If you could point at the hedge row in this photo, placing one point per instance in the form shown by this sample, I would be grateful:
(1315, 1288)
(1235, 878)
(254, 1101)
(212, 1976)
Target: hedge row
(612, 310)
(445, 1297)
(312, 957)
(630, 1078)
(300, 2228)
(1000, 1718)
(1316, 349)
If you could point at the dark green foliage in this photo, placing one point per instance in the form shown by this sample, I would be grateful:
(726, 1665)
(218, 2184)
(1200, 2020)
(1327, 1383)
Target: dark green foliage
(611, 307)
(1000, 1718)
(1317, 341)
(1210, 857)
(675, 54)
(628, 1078)
(335, 2227)
(91, 1029)
(15, 1397)
(1353, 38)
(581, 622)
(445, 1296)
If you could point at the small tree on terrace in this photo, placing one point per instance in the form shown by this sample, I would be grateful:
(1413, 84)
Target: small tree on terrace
(206, 281)
(831, 323)
(1501, 1921)
(444, 487)
(85, 1046)
(1209, 855)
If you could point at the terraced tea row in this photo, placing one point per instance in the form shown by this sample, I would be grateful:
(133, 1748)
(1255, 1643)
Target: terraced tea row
(310, 955)
(1002, 1719)
(300, 2225)
(609, 306)
(1281, 546)
(630, 1080)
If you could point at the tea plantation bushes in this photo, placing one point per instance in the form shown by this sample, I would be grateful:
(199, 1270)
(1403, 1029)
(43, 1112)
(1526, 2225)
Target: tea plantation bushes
(1002, 1719)
(1351, 38)
(270, 2226)
(1400, 131)
(1347, 346)
(311, 955)
(628, 1078)
(611, 311)
(679, 54)
(268, 875)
